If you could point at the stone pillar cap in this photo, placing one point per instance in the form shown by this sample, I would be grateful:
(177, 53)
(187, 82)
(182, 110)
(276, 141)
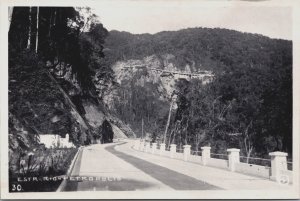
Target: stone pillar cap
(187, 145)
(278, 153)
(205, 147)
(162, 144)
(233, 150)
(154, 142)
(173, 145)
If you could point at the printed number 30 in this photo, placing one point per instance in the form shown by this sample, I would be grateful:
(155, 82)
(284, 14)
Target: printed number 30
(16, 187)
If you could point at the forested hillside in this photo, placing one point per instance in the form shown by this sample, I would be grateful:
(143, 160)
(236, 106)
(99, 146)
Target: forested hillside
(247, 105)
(202, 48)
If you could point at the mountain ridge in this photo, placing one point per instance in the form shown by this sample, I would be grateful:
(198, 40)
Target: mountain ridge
(199, 47)
(219, 28)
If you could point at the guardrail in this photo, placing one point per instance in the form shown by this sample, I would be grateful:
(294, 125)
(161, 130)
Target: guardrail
(219, 156)
(196, 153)
(256, 161)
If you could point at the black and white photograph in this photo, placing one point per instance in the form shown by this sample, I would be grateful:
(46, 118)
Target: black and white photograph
(149, 99)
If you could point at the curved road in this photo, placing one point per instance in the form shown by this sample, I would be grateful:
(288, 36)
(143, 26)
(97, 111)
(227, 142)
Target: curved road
(118, 167)
(103, 167)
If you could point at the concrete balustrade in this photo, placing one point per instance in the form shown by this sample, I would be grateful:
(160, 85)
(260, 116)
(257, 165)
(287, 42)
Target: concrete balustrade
(162, 148)
(279, 170)
(154, 146)
(278, 165)
(172, 150)
(205, 155)
(233, 158)
(186, 152)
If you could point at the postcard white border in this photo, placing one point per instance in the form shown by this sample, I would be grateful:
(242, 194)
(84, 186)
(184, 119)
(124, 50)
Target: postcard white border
(215, 194)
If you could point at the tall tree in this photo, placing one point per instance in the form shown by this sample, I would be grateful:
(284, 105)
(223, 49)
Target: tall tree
(29, 30)
(37, 30)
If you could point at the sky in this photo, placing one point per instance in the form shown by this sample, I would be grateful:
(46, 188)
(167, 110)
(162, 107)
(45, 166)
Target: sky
(145, 16)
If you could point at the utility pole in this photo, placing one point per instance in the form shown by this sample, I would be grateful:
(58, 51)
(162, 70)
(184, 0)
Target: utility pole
(142, 128)
(169, 117)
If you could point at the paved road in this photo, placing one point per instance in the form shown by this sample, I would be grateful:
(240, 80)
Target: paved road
(118, 167)
(102, 167)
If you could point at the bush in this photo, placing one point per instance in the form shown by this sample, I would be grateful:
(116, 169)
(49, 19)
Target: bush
(40, 164)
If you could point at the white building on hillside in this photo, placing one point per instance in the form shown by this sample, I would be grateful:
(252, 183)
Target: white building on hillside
(55, 141)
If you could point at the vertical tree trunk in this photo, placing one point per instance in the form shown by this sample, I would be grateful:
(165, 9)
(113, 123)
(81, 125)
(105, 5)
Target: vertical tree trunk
(197, 143)
(142, 128)
(29, 30)
(50, 24)
(37, 30)
(168, 122)
(54, 21)
(249, 154)
(169, 142)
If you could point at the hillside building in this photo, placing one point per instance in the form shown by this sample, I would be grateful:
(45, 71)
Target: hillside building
(55, 141)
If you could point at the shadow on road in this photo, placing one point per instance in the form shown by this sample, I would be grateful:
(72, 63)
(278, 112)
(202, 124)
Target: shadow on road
(169, 177)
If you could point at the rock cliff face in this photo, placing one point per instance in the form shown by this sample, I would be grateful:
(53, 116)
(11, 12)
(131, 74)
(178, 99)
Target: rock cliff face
(145, 88)
(56, 105)
(159, 73)
(89, 113)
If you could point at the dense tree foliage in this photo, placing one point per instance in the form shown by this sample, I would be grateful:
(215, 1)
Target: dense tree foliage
(252, 111)
(107, 132)
(202, 48)
(249, 107)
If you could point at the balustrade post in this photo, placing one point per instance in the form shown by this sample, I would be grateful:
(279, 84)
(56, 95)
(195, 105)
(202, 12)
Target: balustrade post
(278, 165)
(147, 148)
(137, 144)
(233, 158)
(162, 148)
(186, 152)
(154, 146)
(205, 155)
(172, 150)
